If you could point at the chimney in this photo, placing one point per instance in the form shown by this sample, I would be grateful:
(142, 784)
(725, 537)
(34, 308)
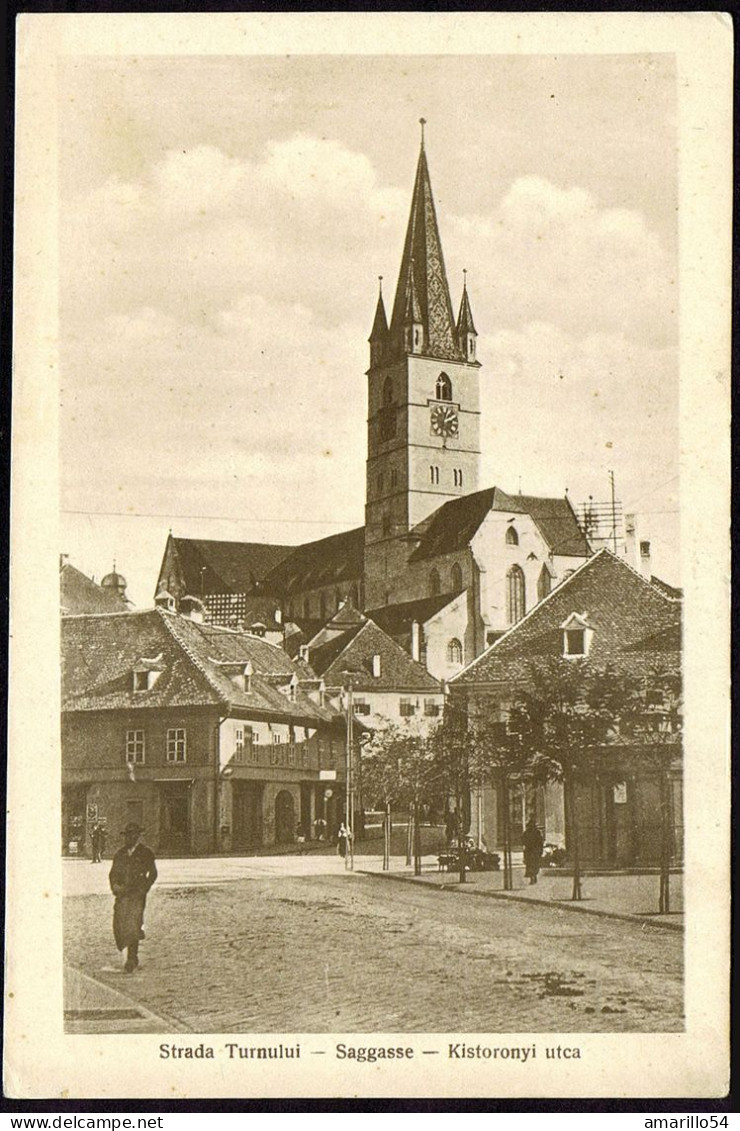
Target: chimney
(415, 635)
(376, 666)
(303, 652)
(645, 560)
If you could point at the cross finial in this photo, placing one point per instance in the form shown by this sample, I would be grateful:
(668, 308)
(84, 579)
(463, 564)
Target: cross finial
(422, 123)
(380, 287)
(465, 278)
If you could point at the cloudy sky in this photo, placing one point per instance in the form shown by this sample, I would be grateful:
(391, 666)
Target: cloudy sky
(223, 222)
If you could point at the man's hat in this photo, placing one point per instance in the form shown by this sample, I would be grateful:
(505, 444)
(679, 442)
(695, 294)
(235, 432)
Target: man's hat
(132, 827)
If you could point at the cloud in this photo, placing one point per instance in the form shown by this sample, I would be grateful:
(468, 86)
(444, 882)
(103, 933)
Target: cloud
(550, 252)
(215, 315)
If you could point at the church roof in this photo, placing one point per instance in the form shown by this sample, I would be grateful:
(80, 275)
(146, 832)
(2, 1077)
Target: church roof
(636, 628)
(423, 278)
(324, 562)
(80, 594)
(225, 567)
(396, 620)
(353, 653)
(453, 526)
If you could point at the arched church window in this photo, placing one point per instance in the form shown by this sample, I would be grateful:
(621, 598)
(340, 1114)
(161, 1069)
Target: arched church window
(544, 583)
(454, 652)
(435, 587)
(444, 388)
(322, 606)
(354, 596)
(433, 474)
(516, 600)
(307, 608)
(457, 578)
(512, 538)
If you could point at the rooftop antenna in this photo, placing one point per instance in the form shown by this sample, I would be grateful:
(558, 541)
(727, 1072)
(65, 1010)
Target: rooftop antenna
(422, 123)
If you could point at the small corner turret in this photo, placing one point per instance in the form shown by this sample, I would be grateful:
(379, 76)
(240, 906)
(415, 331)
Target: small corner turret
(466, 331)
(379, 334)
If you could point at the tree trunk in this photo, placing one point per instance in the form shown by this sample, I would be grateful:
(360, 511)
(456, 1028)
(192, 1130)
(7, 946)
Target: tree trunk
(417, 840)
(508, 870)
(387, 837)
(409, 836)
(571, 825)
(664, 899)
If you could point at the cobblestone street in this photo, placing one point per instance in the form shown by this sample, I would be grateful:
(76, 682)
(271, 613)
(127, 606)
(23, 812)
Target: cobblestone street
(260, 946)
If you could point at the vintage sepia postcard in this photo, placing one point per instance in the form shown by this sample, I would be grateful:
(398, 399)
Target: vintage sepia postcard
(370, 567)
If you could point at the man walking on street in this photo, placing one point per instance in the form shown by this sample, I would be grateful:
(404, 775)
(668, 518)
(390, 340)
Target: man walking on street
(131, 876)
(533, 841)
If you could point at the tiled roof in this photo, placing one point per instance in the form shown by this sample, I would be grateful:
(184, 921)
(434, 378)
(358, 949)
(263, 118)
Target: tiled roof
(353, 652)
(669, 590)
(225, 567)
(80, 594)
(635, 626)
(453, 526)
(324, 562)
(396, 620)
(100, 653)
(422, 279)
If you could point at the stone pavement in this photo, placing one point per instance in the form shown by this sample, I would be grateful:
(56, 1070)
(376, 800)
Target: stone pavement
(291, 944)
(616, 895)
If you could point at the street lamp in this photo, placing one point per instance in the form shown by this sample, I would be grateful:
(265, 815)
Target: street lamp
(349, 858)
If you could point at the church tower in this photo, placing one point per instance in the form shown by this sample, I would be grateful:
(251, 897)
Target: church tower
(423, 400)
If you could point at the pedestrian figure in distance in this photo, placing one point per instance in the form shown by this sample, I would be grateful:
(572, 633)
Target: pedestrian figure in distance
(319, 828)
(342, 838)
(301, 839)
(533, 842)
(132, 874)
(96, 843)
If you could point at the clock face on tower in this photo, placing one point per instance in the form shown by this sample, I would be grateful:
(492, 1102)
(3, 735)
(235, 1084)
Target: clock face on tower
(444, 420)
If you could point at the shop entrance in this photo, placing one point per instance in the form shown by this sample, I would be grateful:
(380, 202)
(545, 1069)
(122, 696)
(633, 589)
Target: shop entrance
(285, 822)
(247, 815)
(174, 820)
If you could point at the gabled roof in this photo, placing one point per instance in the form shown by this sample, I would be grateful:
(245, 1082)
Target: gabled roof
(422, 278)
(225, 567)
(80, 594)
(353, 652)
(635, 626)
(324, 562)
(100, 653)
(396, 620)
(453, 526)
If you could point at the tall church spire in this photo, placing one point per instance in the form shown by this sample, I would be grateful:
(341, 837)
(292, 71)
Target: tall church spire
(423, 276)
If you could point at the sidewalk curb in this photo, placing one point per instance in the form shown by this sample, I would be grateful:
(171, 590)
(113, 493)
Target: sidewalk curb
(564, 905)
(103, 991)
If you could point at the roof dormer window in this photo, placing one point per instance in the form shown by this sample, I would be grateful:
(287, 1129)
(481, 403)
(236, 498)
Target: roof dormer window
(577, 634)
(145, 678)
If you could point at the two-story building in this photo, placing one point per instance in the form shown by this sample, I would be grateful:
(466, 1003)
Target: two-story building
(606, 622)
(213, 740)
